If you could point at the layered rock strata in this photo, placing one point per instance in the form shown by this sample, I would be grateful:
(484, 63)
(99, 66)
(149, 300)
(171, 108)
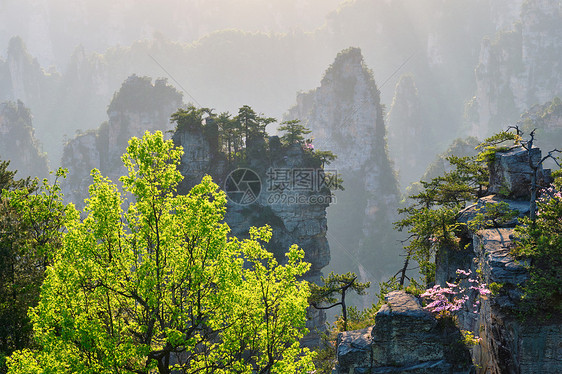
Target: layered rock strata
(405, 339)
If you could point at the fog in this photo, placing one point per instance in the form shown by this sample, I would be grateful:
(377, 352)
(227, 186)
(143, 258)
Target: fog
(472, 67)
(53, 28)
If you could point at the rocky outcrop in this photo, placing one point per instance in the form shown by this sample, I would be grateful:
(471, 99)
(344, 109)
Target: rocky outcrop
(510, 173)
(18, 143)
(518, 68)
(137, 107)
(22, 78)
(405, 339)
(277, 185)
(402, 339)
(408, 132)
(346, 117)
(509, 344)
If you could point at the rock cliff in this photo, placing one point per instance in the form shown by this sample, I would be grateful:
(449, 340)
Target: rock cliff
(279, 185)
(404, 339)
(22, 78)
(518, 68)
(138, 106)
(18, 143)
(409, 133)
(509, 344)
(346, 117)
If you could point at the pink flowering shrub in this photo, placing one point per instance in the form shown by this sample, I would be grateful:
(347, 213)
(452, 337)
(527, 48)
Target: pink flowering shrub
(446, 300)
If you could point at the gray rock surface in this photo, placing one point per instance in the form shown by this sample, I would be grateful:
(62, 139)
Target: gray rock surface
(296, 216)
(346, 117)
(138, 106)
(354, 350)
(509, 344)
(518, 67)
(469, 213)
(510, 173)
(405, 339)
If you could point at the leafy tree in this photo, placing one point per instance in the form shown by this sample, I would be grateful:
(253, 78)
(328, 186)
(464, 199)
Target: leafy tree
(31, 219)
(252, 125)
(190, 118)
(336, 284)
(541, 243)
(230, 134)
(324, 157)
(294, 132)
(161, 287)
(431, 216)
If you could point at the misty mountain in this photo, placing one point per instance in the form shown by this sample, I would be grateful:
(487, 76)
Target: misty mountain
(138, 106)
(438, 42)
(345, 116)
(18, 143)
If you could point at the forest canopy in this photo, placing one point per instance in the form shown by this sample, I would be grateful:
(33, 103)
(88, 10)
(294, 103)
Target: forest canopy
(151, 281)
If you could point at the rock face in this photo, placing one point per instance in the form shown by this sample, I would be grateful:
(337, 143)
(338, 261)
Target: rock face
(518, 68)
(508, 345)
(346, 117)
(510, 173)
(22, 78)
(405, 339)
(295, 212)
(18, 143)
(139, 106)
(408, 132)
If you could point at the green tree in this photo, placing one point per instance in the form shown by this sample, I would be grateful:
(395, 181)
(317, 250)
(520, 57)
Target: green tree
(294, 132)
(252, 125)
(541, 244)
(161, 287)
(431, 217)
(31, 219)
(190, 118)
(336, 284)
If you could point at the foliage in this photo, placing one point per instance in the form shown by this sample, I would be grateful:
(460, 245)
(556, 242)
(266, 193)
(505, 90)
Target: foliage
(492, 145)
(492, 215)
(190, 119)
(469, 339)
(31, 220)
(495, 288)
(336, 284)
(430, 229)
(431, 217)
(324, 157)
(541, 243)
(159, 286)
(294, 132)
(252, 125)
